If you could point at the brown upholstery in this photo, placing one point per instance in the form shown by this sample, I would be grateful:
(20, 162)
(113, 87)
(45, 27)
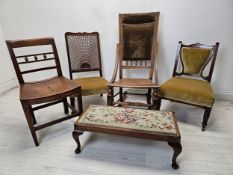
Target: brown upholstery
(137, 49)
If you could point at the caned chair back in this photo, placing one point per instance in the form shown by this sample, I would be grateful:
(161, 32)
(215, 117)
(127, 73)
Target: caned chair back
(83, 51)
(194, 60)
(138, 41)
(30, 59)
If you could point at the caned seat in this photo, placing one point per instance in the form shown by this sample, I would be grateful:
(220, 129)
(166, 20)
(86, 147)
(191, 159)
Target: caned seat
(192, 74)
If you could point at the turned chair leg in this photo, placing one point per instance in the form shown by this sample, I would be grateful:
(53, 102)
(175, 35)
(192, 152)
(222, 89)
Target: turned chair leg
(177, 148)
(156, 100)
(121, 94)
(29, 117)
(110, 97)
(66, 109)
(148, 98)
(206, 118)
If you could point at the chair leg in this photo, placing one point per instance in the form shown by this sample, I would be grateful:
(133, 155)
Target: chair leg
(121, 94)
(148, 98)
(33, 116)
(110, 97)
(66, 109)
(101, 95)
(29, 118)
(80, 102)
(156, 100)
(206, 118)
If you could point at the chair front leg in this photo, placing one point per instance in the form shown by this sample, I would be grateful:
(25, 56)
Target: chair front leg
(206, 118)
(156, 99)
(110, 96)
(29, 118)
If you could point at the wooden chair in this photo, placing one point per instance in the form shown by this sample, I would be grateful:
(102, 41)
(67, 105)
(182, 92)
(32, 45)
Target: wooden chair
(190, 82)
(137, 49)
(83, 50)
(50, 91)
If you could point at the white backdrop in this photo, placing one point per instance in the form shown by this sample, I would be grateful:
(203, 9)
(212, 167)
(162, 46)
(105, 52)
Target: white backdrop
(205, 21)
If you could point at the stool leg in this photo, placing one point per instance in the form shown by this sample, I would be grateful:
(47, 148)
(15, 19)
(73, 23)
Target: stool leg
(76, 135)
(177, 148)
(29, 118)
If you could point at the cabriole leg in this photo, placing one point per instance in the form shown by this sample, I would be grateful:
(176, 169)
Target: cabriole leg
(177, 148)
(76, 135)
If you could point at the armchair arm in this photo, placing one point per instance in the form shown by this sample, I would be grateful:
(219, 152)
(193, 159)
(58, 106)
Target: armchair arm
(116, 64)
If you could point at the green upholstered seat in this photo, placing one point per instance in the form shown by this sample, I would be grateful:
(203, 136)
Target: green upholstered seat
(194, 59)
(197, 92)
(92, 85)
(161, 122)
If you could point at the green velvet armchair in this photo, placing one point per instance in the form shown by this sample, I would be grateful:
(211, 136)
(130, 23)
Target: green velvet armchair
(191, 84)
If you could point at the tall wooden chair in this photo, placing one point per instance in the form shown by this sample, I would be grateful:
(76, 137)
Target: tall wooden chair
(49, 91)
(83, 50)
(137, 50)
(190, 82)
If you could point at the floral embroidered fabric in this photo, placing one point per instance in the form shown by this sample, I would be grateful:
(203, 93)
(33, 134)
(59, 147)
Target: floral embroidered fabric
(128, 118)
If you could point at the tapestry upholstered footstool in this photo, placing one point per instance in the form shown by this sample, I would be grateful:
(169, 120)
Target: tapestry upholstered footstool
(147, 124)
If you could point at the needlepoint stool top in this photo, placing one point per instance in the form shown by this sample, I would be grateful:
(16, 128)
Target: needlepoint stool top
(160, 122)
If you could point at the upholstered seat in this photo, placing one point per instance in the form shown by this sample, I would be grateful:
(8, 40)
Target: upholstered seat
(92, 85)
(188, 90)
(134, 82)
(190, 82)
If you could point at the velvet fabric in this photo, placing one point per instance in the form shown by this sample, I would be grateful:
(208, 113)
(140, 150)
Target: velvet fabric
(92, 85)
(194, 59)
(188, 90)
(137, 41)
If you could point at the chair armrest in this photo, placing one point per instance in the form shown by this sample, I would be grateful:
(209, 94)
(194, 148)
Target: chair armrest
(116, 64)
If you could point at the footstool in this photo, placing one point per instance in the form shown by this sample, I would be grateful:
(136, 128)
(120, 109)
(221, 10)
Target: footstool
(146, 124)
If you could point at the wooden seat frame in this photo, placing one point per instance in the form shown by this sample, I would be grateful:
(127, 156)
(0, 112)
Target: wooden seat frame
(47, 95)
(149, 64)
(178, 61)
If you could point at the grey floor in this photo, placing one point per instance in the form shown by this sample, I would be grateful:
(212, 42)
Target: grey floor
(209, 152)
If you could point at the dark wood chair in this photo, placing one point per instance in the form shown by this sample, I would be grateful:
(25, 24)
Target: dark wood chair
(137, 50)
(50, 91)
(83, 50)
(190, 82)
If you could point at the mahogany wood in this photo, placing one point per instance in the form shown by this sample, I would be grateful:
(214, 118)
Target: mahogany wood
(173, 140)
(50, 91)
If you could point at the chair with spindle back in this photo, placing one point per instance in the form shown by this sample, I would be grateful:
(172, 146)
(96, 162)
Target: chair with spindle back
(137, 49)
(49, 91)
(190, 82)
(83, 50)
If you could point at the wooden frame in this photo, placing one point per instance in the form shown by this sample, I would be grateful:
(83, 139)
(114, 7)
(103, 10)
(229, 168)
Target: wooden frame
(150, 84)
(211, 60)
(95, 63)
(50, 91)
